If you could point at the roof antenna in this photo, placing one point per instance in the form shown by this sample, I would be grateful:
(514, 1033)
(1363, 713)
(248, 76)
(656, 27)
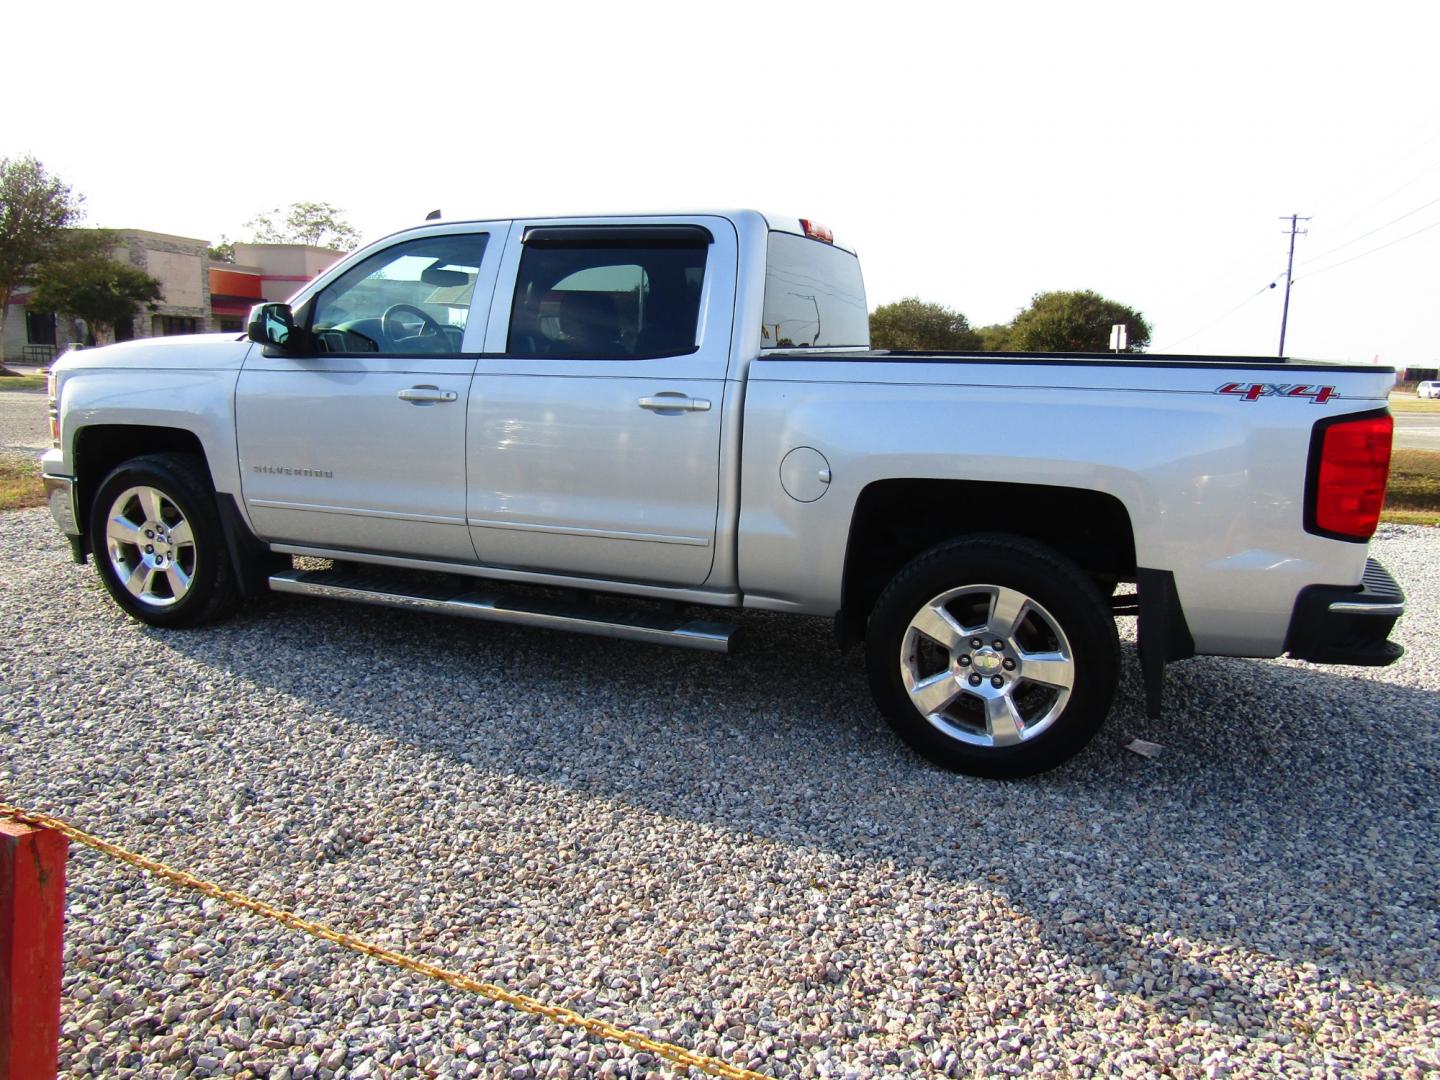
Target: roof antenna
(433, 215)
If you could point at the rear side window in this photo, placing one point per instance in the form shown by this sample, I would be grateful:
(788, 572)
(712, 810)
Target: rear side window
(814, 296)
(608, 292)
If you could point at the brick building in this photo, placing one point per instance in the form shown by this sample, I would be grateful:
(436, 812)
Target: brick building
(262, 272)
(197, 295)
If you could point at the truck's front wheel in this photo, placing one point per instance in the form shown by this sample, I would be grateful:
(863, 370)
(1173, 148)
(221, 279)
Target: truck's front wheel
(993, 655)
(158, 542)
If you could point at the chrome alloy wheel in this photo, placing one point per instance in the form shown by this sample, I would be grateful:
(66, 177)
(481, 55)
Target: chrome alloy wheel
(987, 665)
(150, 546)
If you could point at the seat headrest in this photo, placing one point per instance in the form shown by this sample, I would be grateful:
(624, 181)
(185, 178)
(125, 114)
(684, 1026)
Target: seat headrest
(588, 320)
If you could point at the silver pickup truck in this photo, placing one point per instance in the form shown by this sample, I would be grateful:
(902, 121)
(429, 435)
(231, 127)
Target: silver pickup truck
(603, 423)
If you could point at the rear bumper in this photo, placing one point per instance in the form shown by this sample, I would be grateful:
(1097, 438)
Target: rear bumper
(1339, 624)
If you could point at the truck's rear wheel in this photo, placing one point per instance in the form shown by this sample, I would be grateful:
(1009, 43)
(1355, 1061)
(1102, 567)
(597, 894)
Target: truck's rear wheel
(993, 655)
(158, 543)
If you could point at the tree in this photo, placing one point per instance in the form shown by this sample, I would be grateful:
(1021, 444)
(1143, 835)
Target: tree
(995, 338)
(315, 223)
(224, 251)
(913, 323)
(35, 208)
(1075, 322)
(82, 280)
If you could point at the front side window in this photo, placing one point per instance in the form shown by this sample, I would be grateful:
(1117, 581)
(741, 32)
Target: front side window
(609, 293)
(412, 299)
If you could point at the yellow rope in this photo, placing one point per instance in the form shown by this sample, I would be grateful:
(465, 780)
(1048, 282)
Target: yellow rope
(568, 1017)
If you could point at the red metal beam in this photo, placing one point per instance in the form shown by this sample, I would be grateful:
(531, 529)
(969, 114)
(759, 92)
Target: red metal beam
(32, 923)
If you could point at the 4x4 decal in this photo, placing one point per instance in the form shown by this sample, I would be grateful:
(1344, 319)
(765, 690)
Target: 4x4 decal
(1318, 395)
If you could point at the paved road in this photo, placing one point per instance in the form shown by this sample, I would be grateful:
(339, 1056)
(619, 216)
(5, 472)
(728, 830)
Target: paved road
(23, 426)
(1417, 431)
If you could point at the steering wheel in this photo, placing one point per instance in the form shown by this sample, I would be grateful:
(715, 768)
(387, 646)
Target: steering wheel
(395, 330)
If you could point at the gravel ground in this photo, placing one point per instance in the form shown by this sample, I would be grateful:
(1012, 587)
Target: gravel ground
(731, 853)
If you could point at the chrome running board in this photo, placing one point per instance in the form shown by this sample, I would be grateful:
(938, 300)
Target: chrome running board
(661, 628)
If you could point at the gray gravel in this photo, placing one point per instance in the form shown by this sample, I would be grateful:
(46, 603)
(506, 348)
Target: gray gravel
(731, 853)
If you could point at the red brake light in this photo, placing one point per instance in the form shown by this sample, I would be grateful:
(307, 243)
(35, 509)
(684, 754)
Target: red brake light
(815, 231)
(1349, 468)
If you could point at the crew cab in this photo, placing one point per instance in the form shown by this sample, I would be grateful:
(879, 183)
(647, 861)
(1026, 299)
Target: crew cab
(624, 425)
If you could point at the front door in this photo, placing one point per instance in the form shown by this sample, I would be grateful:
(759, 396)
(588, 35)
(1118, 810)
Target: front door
(359, 444)
(595, 417)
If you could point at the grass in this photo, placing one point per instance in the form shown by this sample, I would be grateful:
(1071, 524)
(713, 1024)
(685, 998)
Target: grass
(1411, 517)
(22, 382)
(1412, 404)
(1413, 497)
(20, 485)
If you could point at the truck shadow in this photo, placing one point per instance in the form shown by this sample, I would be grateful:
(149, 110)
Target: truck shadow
(1261, 812)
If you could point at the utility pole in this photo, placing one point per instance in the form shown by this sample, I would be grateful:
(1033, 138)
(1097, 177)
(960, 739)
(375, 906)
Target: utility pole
(803, 296)
(1295, 231)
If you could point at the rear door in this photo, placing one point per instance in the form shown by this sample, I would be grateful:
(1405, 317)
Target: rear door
(594, 423)
(359, 444)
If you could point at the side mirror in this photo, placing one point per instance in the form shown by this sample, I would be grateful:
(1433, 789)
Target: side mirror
(273, 325)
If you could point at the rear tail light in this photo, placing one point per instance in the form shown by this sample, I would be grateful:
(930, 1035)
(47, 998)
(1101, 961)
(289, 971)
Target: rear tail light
(1349, 467)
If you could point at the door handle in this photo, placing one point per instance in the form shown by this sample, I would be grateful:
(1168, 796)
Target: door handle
(427, 395)
(671, 402)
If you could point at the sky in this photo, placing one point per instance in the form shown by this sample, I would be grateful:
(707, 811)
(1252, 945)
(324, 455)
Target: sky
(972, 154)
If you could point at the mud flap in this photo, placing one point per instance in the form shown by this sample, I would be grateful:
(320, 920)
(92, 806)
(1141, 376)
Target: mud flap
(1163, 634)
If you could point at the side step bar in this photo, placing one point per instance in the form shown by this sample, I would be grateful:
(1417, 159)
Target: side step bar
(616, 622)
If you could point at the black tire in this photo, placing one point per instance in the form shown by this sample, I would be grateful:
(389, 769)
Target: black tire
(1020, 718)
(185, 582)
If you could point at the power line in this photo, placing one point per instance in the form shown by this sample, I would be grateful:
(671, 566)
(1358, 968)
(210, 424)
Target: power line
(1398, 155)
(1386, 198)
(1333, 266)
(1422, 145)
(1222, 318)
(1372, 251)
(1372, 232)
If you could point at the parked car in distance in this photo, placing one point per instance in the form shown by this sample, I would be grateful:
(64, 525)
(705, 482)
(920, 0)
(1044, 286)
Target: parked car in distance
(1429, 389)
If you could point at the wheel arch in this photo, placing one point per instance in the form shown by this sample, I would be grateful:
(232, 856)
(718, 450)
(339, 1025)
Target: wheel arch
(162, 578)
(99, 448)
(895, 520)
